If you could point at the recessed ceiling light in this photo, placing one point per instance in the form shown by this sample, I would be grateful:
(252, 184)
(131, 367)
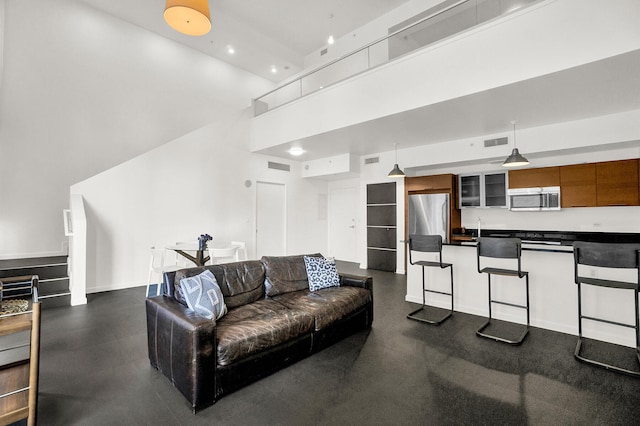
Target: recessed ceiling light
(296, 150)
(330, 40)
(274, 69)
(231, 50)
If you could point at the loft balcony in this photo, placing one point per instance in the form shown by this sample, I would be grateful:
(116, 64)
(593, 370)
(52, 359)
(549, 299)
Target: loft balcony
(551, 62)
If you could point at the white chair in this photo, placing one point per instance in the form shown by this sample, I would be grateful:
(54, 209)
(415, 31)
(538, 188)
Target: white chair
(157, 267)
(223, 255)
(241, 247)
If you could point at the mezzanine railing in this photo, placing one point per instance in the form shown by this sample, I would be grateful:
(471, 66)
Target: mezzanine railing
(437, 23)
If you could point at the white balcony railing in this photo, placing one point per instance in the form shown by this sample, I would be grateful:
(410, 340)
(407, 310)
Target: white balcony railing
(444, 20)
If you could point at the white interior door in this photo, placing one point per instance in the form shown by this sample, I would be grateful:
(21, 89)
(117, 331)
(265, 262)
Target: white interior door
(271, 208)
(343, 236)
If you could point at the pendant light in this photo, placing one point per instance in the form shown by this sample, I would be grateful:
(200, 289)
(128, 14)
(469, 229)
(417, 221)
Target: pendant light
(515, 159)
(396, 172)
(190, 17)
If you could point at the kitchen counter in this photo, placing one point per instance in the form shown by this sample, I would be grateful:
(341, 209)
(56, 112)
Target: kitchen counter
(553, 292)
(554, 241)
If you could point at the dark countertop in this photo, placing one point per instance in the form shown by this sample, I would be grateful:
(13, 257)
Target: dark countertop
(550, 241)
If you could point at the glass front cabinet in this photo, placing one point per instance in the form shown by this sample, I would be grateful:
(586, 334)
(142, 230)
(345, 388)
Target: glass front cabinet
(483, 190)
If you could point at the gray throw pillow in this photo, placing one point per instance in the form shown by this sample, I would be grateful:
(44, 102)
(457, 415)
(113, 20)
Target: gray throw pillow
(203, 295)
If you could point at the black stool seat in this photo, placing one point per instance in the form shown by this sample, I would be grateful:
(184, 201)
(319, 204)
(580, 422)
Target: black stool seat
(502, 248)
(507, 272)
(429, 244)
(432, 264)
(610, 256)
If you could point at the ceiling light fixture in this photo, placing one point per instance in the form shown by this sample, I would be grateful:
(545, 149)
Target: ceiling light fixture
(396, 172)
(274, 69)
(296, 150)
(231, 50)
(515, 159)
(190, 17)
(331, 40)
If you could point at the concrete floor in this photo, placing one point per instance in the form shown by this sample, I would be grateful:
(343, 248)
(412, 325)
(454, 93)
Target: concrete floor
(95, 371)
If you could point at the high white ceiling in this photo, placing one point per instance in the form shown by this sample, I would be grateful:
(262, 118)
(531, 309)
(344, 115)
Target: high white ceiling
(263, 33)
(266, 33)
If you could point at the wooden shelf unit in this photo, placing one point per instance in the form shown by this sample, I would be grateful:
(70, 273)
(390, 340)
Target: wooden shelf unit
(19, 373)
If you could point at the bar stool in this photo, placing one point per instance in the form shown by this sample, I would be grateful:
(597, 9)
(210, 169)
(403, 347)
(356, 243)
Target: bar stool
(429, 244)
(607, 256)
(503, 248)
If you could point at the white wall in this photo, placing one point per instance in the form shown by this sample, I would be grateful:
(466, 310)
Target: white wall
(190, 186)
(83, 91)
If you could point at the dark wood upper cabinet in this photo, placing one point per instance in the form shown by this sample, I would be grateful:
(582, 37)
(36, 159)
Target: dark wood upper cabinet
(578, 185)
(531, 178)
(436, 183)
(617, 183)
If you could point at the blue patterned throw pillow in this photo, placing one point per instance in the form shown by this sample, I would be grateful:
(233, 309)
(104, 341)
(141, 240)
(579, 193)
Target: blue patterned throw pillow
(321, 272)
(203, 295)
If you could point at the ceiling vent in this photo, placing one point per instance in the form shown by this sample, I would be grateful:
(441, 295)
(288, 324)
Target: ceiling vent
(372, 160)
(279, 166)
(323, 51)
(496, 142)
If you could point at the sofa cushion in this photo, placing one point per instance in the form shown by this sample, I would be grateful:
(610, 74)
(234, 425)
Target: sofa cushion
(257, 326)
(284, 274)
(240, 282)
(327, 305)
(203, 295)
(321, 272)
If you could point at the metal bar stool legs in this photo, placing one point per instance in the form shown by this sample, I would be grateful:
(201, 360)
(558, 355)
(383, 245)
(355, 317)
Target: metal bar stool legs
(437, 321)
(607, 256)
(505, 248)
(432, 244)
(480, 332)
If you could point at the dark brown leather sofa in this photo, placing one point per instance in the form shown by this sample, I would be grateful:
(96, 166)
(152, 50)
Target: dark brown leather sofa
(273, 321)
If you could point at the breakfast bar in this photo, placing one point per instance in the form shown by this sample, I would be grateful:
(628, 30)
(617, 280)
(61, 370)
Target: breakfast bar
(548, 256)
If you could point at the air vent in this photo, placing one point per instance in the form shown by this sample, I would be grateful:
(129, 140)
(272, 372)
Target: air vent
(371, 160)
(279, 166)
(496, 142)
(323, 51)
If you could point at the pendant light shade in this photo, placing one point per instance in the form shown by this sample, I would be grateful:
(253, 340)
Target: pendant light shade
(515, 159)
(396, 172)
(190, 17)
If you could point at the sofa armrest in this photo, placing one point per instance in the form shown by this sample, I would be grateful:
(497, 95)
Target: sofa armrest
(361, 281)
(182, 346)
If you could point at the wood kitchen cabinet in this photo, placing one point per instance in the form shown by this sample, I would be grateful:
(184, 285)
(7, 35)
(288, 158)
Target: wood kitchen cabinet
(531, 178)
(578, 185)
(617, 183)
(434, 183)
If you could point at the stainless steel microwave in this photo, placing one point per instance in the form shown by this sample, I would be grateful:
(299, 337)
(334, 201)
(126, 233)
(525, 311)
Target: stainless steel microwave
(534, 199)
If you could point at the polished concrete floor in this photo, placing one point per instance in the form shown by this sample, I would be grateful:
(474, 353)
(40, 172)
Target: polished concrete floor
(95, 371)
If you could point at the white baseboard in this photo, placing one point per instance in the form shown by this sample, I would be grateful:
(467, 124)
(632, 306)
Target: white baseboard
(118, 286)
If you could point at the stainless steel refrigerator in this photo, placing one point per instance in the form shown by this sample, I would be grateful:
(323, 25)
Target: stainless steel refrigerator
(429, 215)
